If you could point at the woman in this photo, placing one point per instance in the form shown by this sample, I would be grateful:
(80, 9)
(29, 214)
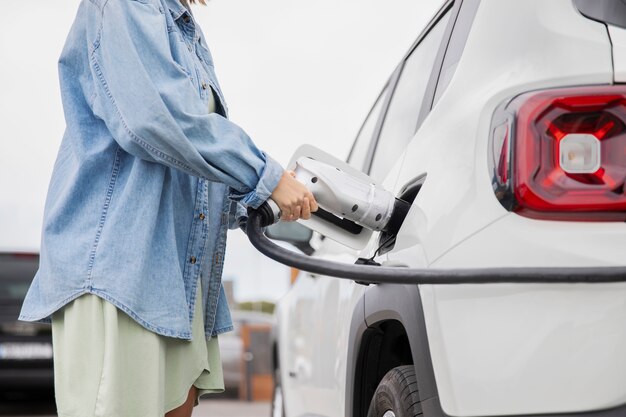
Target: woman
(149, 176)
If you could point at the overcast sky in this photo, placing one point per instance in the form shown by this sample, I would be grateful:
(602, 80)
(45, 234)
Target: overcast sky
(293, 72)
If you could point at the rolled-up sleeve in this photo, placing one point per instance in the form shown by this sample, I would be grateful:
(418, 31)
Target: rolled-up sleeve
(154, 111)
(238, 216)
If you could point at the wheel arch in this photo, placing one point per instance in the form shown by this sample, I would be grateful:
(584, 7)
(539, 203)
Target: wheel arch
(394, 335)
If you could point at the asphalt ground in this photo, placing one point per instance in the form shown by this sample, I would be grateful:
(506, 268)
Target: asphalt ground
(41, 404)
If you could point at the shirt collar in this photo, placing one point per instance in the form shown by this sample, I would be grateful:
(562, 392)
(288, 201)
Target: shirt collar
(176, 8)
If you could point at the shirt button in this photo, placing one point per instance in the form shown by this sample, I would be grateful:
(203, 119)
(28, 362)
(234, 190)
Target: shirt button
(186, 18)
(193, 259)
(201, 216)
(204, 86)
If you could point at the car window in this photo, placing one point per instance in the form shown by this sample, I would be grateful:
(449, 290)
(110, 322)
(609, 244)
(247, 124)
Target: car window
(400, 123)
(456, 45)
(16, 273)
(358, 154)
(607, 11)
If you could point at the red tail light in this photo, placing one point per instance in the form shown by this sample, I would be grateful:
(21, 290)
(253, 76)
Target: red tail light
(561, 154)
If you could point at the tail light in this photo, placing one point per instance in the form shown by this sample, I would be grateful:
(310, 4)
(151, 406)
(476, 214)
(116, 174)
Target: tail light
(561, 154)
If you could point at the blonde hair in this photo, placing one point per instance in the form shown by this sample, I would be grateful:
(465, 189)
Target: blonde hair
(201, 1)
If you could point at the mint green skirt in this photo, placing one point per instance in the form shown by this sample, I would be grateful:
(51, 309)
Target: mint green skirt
(107, 365)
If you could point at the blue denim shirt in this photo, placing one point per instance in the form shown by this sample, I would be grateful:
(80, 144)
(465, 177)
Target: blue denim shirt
(146, 181)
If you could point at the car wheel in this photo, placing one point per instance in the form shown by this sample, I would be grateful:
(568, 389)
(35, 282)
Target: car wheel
(278, 404)
(396, 395)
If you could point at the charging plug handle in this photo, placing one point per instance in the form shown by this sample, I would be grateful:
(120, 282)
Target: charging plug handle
(268, 213)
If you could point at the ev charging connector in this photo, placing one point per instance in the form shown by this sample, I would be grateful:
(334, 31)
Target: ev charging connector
(351, 205)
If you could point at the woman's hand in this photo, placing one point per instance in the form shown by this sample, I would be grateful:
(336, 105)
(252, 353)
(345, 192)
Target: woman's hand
(293, 198)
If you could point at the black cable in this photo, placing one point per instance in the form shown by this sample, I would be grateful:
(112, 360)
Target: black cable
(389, 275)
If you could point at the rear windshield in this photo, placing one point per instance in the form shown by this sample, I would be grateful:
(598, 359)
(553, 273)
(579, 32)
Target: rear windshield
(612, 12)
(16, 273)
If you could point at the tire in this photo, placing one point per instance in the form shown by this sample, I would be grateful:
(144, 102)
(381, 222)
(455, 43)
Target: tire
(278, 403)
(397, 395)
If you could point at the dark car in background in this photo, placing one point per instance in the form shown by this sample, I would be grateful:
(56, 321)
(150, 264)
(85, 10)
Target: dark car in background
(25, 348)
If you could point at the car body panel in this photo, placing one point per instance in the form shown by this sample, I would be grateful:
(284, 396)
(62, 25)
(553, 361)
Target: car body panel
(527, 349)
(314, 353)
(618, 40)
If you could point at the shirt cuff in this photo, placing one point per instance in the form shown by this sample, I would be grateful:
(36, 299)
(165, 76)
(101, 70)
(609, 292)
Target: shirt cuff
(272, 173)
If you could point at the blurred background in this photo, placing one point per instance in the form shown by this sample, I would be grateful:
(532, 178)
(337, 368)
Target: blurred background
(293, 72)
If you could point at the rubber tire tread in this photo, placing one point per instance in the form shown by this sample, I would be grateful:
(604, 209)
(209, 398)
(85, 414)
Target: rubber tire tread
(398, 392)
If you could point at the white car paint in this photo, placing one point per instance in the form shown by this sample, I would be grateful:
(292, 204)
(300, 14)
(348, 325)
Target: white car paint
(618, 39)
(496, 349)
(469, 374)
(315, 317)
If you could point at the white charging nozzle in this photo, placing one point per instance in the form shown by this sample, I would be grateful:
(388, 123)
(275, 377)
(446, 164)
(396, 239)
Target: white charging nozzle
(351, 205)
(345, 195)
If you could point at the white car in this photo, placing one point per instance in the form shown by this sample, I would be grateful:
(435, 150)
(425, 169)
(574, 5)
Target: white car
(505, 127)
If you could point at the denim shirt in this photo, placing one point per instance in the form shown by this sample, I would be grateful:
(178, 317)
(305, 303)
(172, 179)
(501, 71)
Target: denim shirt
(146, 181)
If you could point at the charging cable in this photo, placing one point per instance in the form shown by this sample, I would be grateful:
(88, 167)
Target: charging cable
(369, 274)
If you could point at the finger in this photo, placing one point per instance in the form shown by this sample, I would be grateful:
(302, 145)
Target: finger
(292, 173)
(306, 209)
(313, 203)
(296, 213)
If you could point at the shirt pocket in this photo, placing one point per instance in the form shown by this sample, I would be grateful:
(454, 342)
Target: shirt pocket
(204, 53)
(180, 54)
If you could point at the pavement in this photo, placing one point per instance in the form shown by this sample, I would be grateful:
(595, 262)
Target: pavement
(228, 408)
(206, 408)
